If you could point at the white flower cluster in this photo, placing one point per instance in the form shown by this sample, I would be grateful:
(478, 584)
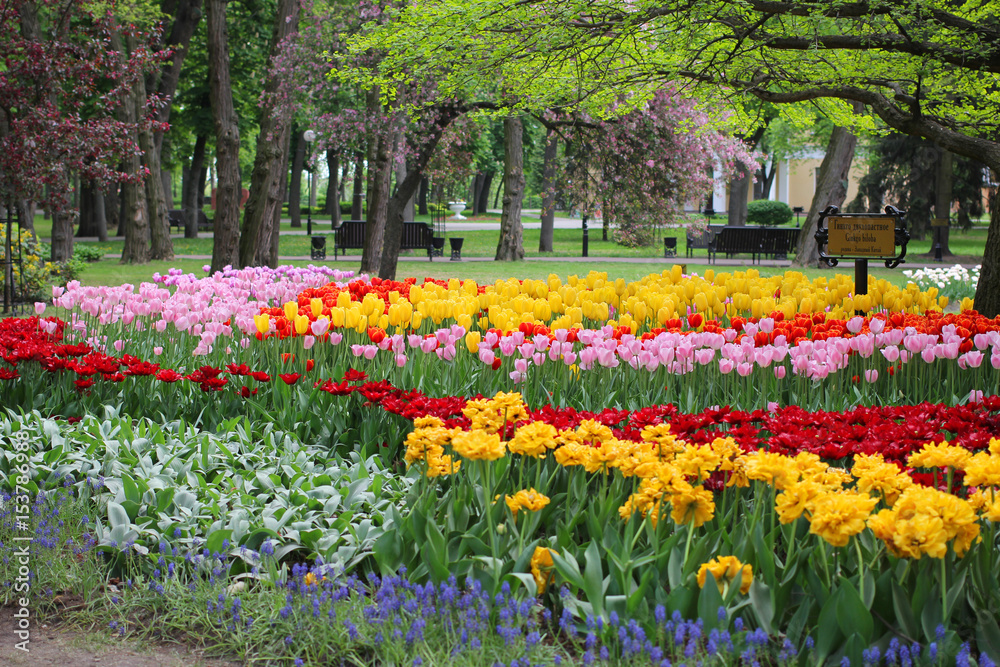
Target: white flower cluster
(954, 282)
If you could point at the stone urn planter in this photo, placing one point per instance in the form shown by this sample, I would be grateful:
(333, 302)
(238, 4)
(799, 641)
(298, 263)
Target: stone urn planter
(457, 207)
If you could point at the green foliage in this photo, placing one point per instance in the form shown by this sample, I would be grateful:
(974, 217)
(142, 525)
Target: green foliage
(88, 253)
(32, 271)
(768, 213)
(251, 480)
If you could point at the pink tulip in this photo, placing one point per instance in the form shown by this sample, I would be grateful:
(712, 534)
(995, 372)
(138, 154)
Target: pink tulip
(569, 358)
(704, 357)
(973, 358)
(428, 345)
(766, 325)
(320, 326)
(308, 342)
(357, 350)
(779, 372)
(876, 325)
(400, 360)
(413, 340)
(927, 354)
(39, 307)
(855, 323)
(772, 406)
(871, 375)
(726, 366)
(157, 351)
(370, 351)
(890, 353)
(335, 338)
(975, 396)
(486, 355)
(982, 341)
(744, 369)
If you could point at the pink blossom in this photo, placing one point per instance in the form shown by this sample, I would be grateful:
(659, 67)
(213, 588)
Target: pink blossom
(335, 338)
(871, 375)
(726, 366)
(976, 396)
(157, 351)
(779, 372)
(876, 325)
(308, 342)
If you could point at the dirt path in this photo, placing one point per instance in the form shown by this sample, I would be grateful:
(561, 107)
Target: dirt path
(54, 645)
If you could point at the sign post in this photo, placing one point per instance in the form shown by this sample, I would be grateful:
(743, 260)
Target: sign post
(861, 237)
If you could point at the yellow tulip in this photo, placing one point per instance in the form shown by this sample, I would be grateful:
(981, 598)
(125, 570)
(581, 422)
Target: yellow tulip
(301, 324)
(291, 310)
(262, 322)
(317, 307)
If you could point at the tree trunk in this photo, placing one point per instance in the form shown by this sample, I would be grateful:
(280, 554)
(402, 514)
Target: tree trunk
(225, 246)
(295, 183)
(264, 203)
(269, 254)
(167, 179)
(422, 196)
(831, 190)
(405, 191)
(548, 216)
(409, 207)
(156, 204)
(112, 207)
(88, 223)
(511, 244)
(987, 300)
(358, 194)
(484, 200)
(188, 14)
(378, 204)
(332, 206)
(100, 217)
(739, 190)
(477, 192)
(133, 217)
(189, 188)
(942, 202)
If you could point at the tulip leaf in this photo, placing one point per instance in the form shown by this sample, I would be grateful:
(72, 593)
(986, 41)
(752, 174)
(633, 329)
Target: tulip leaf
(852, 615)
(709, 602)
(988, 635)
(828, 634)
(593, 577)
(760, 601)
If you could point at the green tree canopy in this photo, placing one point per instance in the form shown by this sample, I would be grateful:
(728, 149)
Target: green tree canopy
(929, 68)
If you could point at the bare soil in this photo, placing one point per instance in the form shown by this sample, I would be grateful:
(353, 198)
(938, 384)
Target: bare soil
(53, 643)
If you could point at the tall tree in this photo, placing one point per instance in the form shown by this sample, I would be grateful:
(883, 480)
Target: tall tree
(923, 67)
(510, 247)
(225, 247)
(59, 99)
(548, 216)
(831, 190)
(264, 204)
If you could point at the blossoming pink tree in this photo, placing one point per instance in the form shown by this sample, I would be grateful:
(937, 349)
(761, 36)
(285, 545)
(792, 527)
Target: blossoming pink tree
(61, 91)
(641, 168)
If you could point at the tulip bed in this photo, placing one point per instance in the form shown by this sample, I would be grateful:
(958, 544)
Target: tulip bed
(578, 461)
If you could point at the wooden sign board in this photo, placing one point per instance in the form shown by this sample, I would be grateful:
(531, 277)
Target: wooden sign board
(861, 236)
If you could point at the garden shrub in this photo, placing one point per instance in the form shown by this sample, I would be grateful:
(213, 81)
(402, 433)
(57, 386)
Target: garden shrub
(768, 213)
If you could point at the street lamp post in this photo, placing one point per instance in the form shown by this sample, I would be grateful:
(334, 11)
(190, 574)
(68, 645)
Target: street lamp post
(309, 136)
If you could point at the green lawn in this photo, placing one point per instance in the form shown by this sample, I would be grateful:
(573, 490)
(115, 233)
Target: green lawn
(110, 272)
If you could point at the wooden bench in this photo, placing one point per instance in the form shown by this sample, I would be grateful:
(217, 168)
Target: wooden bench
(758, 242)
(703, 240)
(351, 235)
(176, 217)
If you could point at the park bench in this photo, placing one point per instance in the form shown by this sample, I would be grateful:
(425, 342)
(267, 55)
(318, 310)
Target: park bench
(351, 235)
(176, 217)
(756, 241)
(701, 239)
